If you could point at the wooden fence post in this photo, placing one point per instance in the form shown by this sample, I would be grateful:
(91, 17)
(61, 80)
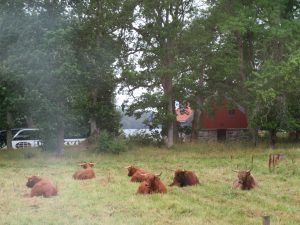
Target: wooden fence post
(266, 220)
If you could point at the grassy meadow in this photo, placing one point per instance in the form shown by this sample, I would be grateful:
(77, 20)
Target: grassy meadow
(110, 198)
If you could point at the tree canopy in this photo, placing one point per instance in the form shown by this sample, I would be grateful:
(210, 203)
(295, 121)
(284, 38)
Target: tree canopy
(62, 61)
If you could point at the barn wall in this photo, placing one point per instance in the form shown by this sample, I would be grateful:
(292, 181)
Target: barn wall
(222, 119)
(231, 134)
(208, 135)
(238, 135)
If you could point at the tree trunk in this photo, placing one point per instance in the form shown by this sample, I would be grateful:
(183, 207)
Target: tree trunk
(170, 140)
(61, 139)
(175, 125)
(29, 122)
(93, 127)
(168, 90)
(196, 123)
(272, 140)
(250, 50)
(9, 136)
(94, 130)
(240, 45)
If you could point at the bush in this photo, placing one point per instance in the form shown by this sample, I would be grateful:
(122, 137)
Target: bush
(110, 144)
(145, 139)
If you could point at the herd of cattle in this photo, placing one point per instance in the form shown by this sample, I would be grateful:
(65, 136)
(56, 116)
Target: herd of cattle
(149, 182)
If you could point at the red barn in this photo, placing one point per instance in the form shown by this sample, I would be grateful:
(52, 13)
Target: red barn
(224, 123)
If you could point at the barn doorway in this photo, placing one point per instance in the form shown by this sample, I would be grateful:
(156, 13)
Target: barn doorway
(221, 134)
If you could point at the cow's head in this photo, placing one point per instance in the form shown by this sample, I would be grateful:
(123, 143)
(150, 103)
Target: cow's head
(32, 181)
(179, 178)
(86, 165)
(153, 181)
(132, 170)
(243, 176)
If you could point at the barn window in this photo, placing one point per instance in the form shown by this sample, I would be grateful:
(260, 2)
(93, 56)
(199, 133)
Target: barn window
(231, 112)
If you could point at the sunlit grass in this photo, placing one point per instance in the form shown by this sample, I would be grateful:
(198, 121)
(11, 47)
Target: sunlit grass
(111, 199)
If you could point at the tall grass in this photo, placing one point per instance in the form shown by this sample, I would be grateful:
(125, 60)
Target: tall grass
(110, 198)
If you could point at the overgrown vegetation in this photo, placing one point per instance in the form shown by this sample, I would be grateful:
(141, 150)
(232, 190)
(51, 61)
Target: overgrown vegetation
(110, 198)
(146, 139)
(107, 143)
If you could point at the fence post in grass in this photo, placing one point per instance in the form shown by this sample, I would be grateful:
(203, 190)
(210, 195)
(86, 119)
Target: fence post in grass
(266, 220)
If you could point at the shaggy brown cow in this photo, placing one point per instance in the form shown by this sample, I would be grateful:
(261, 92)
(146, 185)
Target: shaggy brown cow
(184, 178)
(133, 169)
(274, 159)
(41, 187)
(140, 176)
(245, 180)
(86, 173)
(137, 174)
(152, 185)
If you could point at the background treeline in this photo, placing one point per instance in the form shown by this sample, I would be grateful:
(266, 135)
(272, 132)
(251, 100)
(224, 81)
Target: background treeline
(62, 60)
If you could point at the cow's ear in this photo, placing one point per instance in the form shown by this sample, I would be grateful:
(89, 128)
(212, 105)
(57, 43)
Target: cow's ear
(91, 164)
(248, 172)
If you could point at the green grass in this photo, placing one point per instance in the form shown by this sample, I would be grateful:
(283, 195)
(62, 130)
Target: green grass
(111, 199)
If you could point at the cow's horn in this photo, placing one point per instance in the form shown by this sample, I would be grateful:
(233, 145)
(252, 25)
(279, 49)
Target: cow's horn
(158, 175)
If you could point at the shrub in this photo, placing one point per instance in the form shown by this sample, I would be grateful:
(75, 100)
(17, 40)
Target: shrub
(110, 144)
(145, 139)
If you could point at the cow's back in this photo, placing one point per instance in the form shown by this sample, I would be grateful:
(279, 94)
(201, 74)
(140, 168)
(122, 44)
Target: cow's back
(84, 174)
(43, 188)
(191, 178)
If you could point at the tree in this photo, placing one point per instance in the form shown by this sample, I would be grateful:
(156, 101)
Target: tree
(11, 89)
(97, 48)
(153, 34)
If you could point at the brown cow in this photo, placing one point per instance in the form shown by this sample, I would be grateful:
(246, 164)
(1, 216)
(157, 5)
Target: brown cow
(137, 174)
(140, 176)
(41, 187)
(133, 169)
(184, 178)
(152, 185)
(245, 181)
(86, 173)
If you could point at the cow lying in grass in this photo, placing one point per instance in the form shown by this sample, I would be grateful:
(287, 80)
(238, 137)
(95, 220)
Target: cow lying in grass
(245, 180)
(184, 178)
(137, 174)
(133, 169)
(153, 184)
(41, 187)
(86, 173)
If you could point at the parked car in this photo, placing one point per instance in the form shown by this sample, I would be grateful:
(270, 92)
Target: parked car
(3, 134)
(30, 137)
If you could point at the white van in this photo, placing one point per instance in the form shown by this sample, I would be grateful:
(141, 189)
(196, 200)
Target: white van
(30, 138)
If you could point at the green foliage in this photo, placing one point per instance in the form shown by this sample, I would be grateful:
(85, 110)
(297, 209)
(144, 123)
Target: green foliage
(107, 143)
(155, 43)
(146, 139)
(56, 66)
